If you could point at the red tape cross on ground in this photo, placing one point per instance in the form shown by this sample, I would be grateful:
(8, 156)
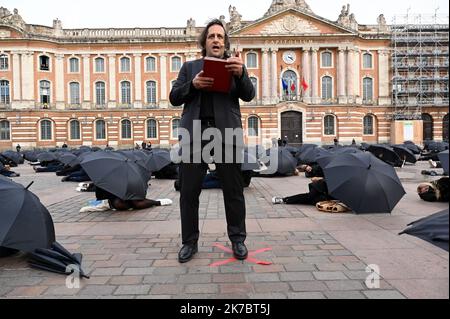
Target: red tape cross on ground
(249, 259)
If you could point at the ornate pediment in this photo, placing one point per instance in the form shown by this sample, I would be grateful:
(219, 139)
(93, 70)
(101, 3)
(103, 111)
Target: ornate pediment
(11, 19)
(290, 24)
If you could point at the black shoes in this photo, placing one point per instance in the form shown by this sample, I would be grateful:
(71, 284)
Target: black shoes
(240, 252)
(187, 252)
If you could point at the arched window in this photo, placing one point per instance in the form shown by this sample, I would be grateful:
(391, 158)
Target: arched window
(445, 128)
(290, 84)
(329, 123)
(125, 88)
(252, 60)
(255, 83)
(74, 65)
(176, 64)
(368, 125)
(367, 61)
(152, 132)
(175, 126)
(44, 92)
(327, 88)
(75, 131)
(126, 129)
(100, 93)
(74, 93)
(46, 130)
(99, 65)
(4, 63)
(5, 97)
(44, 63)
(427, 127)
(150, 64)
(5, 130)
(327, 59)
(367, 90)
(125, 64)
(253, 126)
(100, 130)
(151, 92)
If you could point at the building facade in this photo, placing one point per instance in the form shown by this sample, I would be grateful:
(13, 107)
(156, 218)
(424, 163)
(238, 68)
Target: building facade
(316, 80)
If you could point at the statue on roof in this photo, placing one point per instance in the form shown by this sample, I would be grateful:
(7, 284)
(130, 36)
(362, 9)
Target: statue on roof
(235, 18)
(12, 19)
(382, 25)
(347, 19)
(280, 5)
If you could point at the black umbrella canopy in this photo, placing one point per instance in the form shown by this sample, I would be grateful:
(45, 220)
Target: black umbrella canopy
(70, 159)
(404, 153)
(13, 156)
(433, 229)
(385, 153)
(1, 166)
(443, 158)
(413, 147)
(25, 224)
(140, 158)
(286, 164)
(157, 159)
(47, 157)
(250, 162)
(364, 183)
(257, 150)
(311, 154)
(436, 146)
(116, 174)
(31, 156)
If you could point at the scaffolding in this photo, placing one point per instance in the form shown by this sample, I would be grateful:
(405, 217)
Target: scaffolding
(419, 64)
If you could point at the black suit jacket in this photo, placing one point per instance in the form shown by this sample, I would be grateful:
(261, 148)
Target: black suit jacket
(227, 111)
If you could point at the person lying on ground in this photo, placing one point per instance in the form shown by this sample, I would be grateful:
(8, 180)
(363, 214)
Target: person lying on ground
(435, 191)
(318, 192)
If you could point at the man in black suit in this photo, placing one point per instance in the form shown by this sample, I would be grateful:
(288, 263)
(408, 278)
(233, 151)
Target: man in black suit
(204, 110)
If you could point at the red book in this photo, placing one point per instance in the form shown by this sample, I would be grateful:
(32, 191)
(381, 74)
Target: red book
(215, 68)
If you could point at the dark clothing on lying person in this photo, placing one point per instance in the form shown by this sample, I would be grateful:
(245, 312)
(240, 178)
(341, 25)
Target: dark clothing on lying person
(77, 176)
(438, 191)
(124, 205)
(7, 173)
(318, 192)
(168, 172)
(67, 170)
(50, 167)
(315, 172)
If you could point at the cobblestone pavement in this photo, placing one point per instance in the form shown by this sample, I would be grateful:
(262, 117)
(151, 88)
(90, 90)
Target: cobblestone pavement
(313, 255)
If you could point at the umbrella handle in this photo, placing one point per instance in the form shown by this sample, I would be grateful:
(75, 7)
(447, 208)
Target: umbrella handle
(29, 185)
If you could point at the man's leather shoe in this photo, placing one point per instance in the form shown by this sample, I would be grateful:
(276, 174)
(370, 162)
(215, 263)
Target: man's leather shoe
(187, 252)
(240, 252)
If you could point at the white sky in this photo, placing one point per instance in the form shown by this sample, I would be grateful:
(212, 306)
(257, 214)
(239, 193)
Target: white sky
(175, 13)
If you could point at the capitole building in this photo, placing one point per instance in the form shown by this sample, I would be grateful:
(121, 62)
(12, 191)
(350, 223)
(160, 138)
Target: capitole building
(316, 80)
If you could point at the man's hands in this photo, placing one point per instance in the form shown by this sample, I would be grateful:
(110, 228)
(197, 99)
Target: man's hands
(235, 65)
(202, 83)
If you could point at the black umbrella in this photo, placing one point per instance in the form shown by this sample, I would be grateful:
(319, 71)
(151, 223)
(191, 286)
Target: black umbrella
(413, 147)
(257, 150)
(385, 153)
(443, 158)
(286, 163)
(69, 160)
(436, 147)
(157, 160)
(13, 156)
(250, 162)
(25, 224)
(140, 158)
(46, 157)
(404, 153)
(116, 174)
(1, 166)
(308, 155)
(433, 229)
(30, 156)
(364, 183)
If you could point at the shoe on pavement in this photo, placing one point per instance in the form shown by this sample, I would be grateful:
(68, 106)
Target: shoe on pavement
(165, 202)
(277, 200)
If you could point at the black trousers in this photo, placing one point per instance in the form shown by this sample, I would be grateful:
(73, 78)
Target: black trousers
(191, 179)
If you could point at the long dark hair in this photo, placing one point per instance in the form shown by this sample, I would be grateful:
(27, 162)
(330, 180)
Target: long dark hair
(204, 36)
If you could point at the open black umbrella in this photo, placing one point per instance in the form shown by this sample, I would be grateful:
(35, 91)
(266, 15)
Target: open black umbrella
(412, 147)
(443, 158)
(157, 160)
(364, 183)
(308, 155)
(250, 162)
(433, 229)
(13, 156)
(47, 157)
(257, 150)
(31, 156)
(140, 158)
(286, 163)
(116, 174)
(69, 159)
(25, 224)
(386, 154)
(404, 153)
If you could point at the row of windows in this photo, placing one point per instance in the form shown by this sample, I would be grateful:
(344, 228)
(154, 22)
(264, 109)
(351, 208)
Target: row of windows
(326, 60)
(150, 63)
(151, 128)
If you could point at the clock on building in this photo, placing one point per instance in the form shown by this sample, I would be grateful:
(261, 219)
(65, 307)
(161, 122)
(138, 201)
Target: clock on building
(289, 57)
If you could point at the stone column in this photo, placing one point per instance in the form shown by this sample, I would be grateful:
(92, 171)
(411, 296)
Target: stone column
(86, 82)
(137, 81)
(17, 94)
(59, 78)
(112, 103)
(315, 76)
(275, 77)
(350, 75)
(265, 76)
(28, 94)
(341, 77)
(306, 67)
(383, 78)
(164, 103)
(357, 87)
